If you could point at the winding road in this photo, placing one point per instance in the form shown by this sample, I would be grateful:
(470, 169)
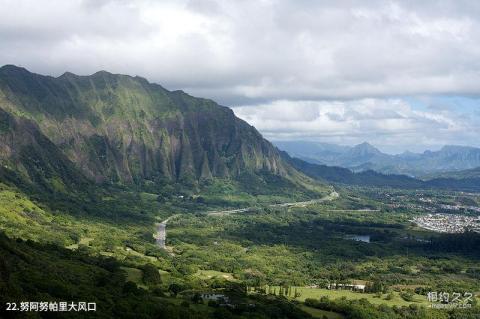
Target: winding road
(333, 195)
(161, 235)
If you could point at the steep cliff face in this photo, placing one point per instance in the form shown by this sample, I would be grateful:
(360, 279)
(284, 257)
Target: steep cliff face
(124, 129)
(26, 151)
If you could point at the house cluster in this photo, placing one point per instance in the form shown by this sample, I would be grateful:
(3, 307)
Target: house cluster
(461, 207)
(448, 223)
(221, 299)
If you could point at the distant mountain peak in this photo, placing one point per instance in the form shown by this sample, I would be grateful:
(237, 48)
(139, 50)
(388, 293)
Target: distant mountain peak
(408, 155)
(366, 147)
(68, 74)
(13, 68)
(102, 72)
(365, 143)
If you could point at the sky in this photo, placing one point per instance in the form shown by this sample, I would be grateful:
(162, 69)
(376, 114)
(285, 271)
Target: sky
(402, 75)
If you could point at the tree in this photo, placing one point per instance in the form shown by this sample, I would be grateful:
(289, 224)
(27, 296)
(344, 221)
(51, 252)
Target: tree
(151, 276)
(197, 298)
(130, 287)
(407, 295)
(376, 286)
(174, 289)
(222, 313)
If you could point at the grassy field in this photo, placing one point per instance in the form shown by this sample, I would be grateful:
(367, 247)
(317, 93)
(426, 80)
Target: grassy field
(83, 241)
(133, 252)
(317, 293)
(211, 274)
(134, 275)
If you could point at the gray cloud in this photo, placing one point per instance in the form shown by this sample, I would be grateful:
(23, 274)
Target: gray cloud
(244, 51)
(272, 53)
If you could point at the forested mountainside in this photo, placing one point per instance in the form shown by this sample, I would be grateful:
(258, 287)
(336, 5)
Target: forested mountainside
(121, 129)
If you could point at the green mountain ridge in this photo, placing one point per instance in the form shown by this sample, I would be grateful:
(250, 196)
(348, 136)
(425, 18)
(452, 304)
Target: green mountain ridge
(124, 130)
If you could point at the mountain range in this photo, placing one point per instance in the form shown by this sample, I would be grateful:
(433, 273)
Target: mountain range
(67, 133)
(363, 157)
(62, 132)
(463, 181)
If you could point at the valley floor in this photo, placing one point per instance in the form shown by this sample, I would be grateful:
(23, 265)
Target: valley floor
(247, 255)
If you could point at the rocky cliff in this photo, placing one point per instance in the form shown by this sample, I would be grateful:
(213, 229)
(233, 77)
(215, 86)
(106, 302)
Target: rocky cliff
(123, 129)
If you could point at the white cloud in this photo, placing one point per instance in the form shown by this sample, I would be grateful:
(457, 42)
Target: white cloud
(392, 124)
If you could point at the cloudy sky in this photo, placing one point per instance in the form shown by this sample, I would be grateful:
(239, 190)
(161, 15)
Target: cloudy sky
(399, 74)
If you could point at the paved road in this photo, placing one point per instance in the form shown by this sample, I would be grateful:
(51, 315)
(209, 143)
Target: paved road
(161, 235)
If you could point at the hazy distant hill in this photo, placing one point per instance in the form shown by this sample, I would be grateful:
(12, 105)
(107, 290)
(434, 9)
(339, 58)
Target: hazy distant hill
(469, 173)
(312, 152)
(366, 157)
(341, 175)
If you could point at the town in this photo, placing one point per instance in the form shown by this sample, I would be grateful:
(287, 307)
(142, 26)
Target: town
(448, 223)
